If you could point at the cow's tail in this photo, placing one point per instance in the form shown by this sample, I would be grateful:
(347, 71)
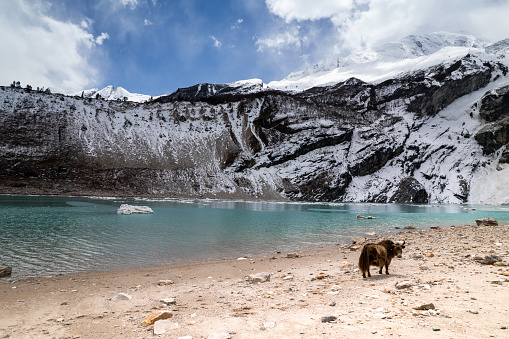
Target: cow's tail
(364, 261)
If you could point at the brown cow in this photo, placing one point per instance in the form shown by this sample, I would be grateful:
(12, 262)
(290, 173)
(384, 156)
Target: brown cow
(379, 255)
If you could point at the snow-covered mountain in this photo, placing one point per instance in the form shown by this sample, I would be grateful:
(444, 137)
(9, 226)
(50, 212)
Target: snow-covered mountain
(425, 119)
(387, 61)
(112, 93)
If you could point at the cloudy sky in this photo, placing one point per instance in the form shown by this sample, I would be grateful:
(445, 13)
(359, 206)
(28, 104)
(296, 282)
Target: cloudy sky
(155, 46)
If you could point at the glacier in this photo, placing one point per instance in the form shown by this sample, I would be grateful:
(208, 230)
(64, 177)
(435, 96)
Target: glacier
(425, 119)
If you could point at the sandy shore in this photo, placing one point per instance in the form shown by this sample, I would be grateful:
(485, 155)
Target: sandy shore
(319, 294)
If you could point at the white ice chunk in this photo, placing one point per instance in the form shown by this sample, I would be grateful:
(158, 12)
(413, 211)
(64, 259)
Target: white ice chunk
(130, 209)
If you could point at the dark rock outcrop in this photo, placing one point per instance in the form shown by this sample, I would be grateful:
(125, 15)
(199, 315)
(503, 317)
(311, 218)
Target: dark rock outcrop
(410, 190)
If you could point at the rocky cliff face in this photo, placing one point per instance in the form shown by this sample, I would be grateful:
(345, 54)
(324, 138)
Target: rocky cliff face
(432, 134)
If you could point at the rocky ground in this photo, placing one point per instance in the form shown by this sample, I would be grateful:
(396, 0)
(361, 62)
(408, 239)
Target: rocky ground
(450, 283)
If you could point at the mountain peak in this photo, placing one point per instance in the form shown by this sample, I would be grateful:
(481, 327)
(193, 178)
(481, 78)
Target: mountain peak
(387, 60)
(112, 93)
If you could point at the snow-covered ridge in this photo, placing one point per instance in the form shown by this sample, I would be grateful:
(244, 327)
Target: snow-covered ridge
(412, 53)
(112, 93)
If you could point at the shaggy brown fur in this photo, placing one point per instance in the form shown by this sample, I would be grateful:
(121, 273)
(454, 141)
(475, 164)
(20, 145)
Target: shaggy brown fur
(380, 255)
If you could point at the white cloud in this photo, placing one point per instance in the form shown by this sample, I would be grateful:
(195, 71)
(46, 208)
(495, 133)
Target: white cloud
(280, 41)
(130, 3)
(147, 22)
(362, 23)
(388, 20)
(86, 23)
(100, 39)
(44, 52)
(308, 10)
(217, 43)
(237, 24)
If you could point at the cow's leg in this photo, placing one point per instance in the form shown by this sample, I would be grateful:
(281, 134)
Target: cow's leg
(386, 269)
(369, 274)
(381, 267)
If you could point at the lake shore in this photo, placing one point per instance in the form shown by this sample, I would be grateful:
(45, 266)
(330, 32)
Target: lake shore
(318, 294)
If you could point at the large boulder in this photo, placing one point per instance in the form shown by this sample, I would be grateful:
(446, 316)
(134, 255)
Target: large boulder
(486, 222)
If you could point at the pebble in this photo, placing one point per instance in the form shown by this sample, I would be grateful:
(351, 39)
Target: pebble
(121, 296)
(168, 301)
(156, 316)
(473, 311)
(164, 326)
(404, 284)
(165, 282)
(328, 318)
(429, 306)
(436, 328)
(259, 277)
(269, 324)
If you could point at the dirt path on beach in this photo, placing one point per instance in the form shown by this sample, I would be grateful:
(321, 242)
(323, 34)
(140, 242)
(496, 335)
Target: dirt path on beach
(319, 294)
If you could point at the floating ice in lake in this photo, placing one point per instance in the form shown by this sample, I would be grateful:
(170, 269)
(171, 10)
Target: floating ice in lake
(130, 209)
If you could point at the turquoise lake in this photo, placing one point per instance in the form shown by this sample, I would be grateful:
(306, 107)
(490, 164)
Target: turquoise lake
(48, 235)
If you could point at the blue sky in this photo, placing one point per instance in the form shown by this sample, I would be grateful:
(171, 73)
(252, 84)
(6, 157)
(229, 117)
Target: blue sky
(155, 46)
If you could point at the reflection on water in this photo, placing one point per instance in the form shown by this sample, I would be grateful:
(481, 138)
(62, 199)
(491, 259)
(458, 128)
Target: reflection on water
(58, 235)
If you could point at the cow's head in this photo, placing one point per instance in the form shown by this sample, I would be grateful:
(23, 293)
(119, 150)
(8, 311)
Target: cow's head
(398, 248)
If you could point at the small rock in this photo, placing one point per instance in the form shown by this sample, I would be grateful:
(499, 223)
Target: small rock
(269, 324)
(409, 227)
(121, 296)
(259, 277)
(328, 318)
(499, 263)
(436, 328)
(168, 301)
(219, 336)
(165, 282)
(241, 258)
(379, 316)
(164, 326)
(404, 284)
(320, 277)
(156, 316)
(489, 259)
(292, 255)
(424, 307)
(434, 227)
(473, 311)
(486, 222)
(503, 328)
(186, 337)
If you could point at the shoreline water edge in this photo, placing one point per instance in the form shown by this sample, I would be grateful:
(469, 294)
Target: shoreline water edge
(450, 282)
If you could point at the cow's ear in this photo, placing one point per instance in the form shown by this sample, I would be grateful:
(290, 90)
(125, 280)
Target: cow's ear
(403, 246)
